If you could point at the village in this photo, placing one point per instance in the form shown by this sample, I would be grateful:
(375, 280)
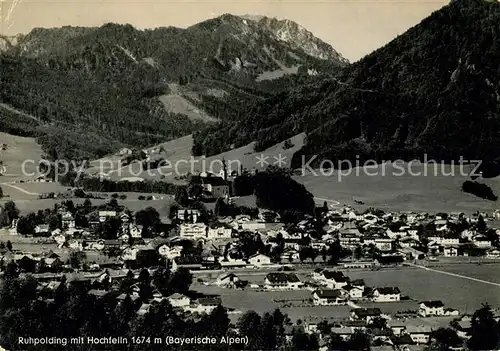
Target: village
(259, 253)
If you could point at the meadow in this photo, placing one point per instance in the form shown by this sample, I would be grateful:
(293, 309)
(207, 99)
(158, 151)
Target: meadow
(418, 284)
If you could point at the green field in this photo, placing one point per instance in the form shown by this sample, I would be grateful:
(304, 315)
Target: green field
(431, 193)
(418, 284)
(161, 204)
(19, 150)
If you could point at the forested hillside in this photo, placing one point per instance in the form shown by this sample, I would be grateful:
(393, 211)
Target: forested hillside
(93, 90)
(434, 89)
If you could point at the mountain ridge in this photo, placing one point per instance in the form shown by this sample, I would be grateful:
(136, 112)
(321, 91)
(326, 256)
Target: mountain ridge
(432, 90)
(70, 77)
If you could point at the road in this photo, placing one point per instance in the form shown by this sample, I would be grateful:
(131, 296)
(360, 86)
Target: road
(19, 189)
(331, 202)
(454, 275)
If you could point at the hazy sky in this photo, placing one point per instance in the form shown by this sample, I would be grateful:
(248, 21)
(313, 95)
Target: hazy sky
(353, 27)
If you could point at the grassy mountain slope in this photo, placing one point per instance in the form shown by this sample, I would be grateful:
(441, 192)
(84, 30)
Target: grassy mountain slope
(434, 89)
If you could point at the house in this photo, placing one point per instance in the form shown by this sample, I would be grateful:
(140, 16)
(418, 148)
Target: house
(482, 242)
(179, 300)
(204, 305)
(390, 260)
(169, 252)
(431, 308)
(104, 215)
(493, 253)
(451, 312)
(190, 215)
(129, 253)
(327, 297)
(343, 332)
(259, 260)
(42, 229)
(365, 314)
(349, 238)
(135, 231)
(290, 254)
(193, 230)
(216, 186)
(450, 251)
(396, 326)
(219, 233)
(227, 280)
(445, 241)
(68, 221)
(355, 293)
(419, 334)
(282, 281)
(334, 279)
(386, 294)
(383, 244)
(317, 273)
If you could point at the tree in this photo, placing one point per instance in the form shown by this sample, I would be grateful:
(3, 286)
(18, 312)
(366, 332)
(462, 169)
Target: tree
(485, 330)
(26, 225)
(302, 341)
(87, 206)
(76, 258)
(444, 339)
(249, 325)
(219, 207)
(481, 224)
(181, 196)
(359, 341)
(12, 211)
(181, 280)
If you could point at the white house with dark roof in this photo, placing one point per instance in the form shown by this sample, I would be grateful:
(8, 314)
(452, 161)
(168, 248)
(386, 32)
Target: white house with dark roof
(282, 281)
(328, 297)
(333, 279)
(227, 279)
(431, 308)
(179, 300)
(355, 292)
(259, 260)
(386, 294)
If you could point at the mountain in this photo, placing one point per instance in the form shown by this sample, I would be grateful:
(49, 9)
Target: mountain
(89, 91)
(433, 90)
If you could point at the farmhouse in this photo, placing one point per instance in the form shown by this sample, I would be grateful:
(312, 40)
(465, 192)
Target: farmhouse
(203, 305)
(42, 229)
(365, 314)
(179, 300)
(355, 293)
(419, 334)
(326, 297)
(190, 215)
(431, 308)
(227, 279)
(334, 279)
(445, 241)
(386, 294)
(169, 252)
(68, 221)
(216, 186)
(282, 281)
(259, 260)
(193, 230)
(450, 251)
(219, 233)
(482, 242)
(104, 215)
(383, 244)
